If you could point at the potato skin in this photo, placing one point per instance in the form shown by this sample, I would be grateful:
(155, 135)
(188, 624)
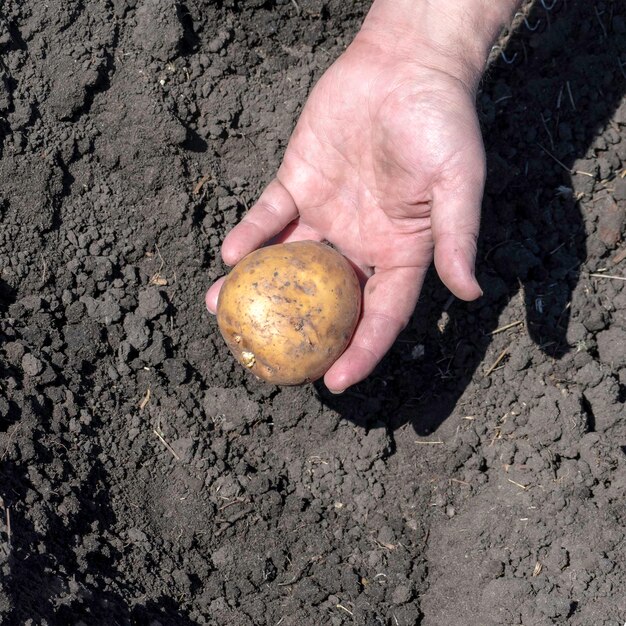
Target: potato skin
(288, 311)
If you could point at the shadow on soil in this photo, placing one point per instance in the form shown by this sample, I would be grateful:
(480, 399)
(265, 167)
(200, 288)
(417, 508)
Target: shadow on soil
(541, 106)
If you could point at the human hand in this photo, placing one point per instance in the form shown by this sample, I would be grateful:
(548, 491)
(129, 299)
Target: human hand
(387, 164)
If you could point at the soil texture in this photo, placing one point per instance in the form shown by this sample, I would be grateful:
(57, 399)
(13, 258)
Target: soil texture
(477, 478)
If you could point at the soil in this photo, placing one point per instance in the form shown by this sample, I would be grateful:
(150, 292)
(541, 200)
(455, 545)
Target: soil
(478, 477)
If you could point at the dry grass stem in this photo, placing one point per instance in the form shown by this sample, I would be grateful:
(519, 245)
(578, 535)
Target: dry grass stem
(200, 183)
(545, 125)
(317, 459)
(167, 445)
(611, 276)
(602, 26)
(235, 501)
(8, 514)
(10, 439)
(157, 279)
(44, 270)
(343, 608)
(567, 169)
(571, 97)
(524, 487)
(145, 400)
(302, 571)
(497, 361)
(506, 327)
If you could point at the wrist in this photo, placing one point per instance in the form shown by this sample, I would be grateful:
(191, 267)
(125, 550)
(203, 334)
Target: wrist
(453, 36)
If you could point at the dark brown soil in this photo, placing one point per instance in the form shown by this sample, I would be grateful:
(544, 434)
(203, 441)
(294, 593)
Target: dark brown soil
(478, 477)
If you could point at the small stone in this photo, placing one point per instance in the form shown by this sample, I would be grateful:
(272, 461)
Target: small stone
(553, 604)
(386, 535)
(218, 42)
(31, 365)
(155, 353)
(606, 565)
(595, 320)
(375, 445)
(576, 333)
(137, 536)
(611, 220)
(75, 312)
(222, 556)
(106, 311)
(158, 29)
(130, 275)
(605, 405)
(401, 594)
(175, 370)
(184, 448)
(137, 332)
(4, 409)
(493, 568)
(612, 347)
(32, 303)
(589, 375)
(619, 189)
(15, 351)
(585, 184)
(520, 358)
(75, 426)
(152, 303)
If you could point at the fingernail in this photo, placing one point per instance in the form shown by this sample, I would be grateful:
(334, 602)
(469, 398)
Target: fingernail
(478, 285)
(336, 392)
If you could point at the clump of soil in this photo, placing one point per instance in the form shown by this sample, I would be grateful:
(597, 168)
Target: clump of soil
(478, 476)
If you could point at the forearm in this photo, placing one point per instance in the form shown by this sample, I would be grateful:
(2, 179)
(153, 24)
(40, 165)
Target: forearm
(453, 35)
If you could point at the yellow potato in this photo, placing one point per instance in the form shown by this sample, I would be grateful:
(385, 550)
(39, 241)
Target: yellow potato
(288, 311)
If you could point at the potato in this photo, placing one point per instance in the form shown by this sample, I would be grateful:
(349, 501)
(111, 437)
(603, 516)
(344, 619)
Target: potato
(288, 311)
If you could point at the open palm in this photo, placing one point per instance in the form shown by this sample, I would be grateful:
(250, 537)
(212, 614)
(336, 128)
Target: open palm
(387, 164)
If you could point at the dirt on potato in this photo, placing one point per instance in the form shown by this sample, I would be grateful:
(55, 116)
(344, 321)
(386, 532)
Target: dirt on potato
(287, 312)
(477, 477)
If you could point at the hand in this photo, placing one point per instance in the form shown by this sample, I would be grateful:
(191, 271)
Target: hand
(386, 163)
